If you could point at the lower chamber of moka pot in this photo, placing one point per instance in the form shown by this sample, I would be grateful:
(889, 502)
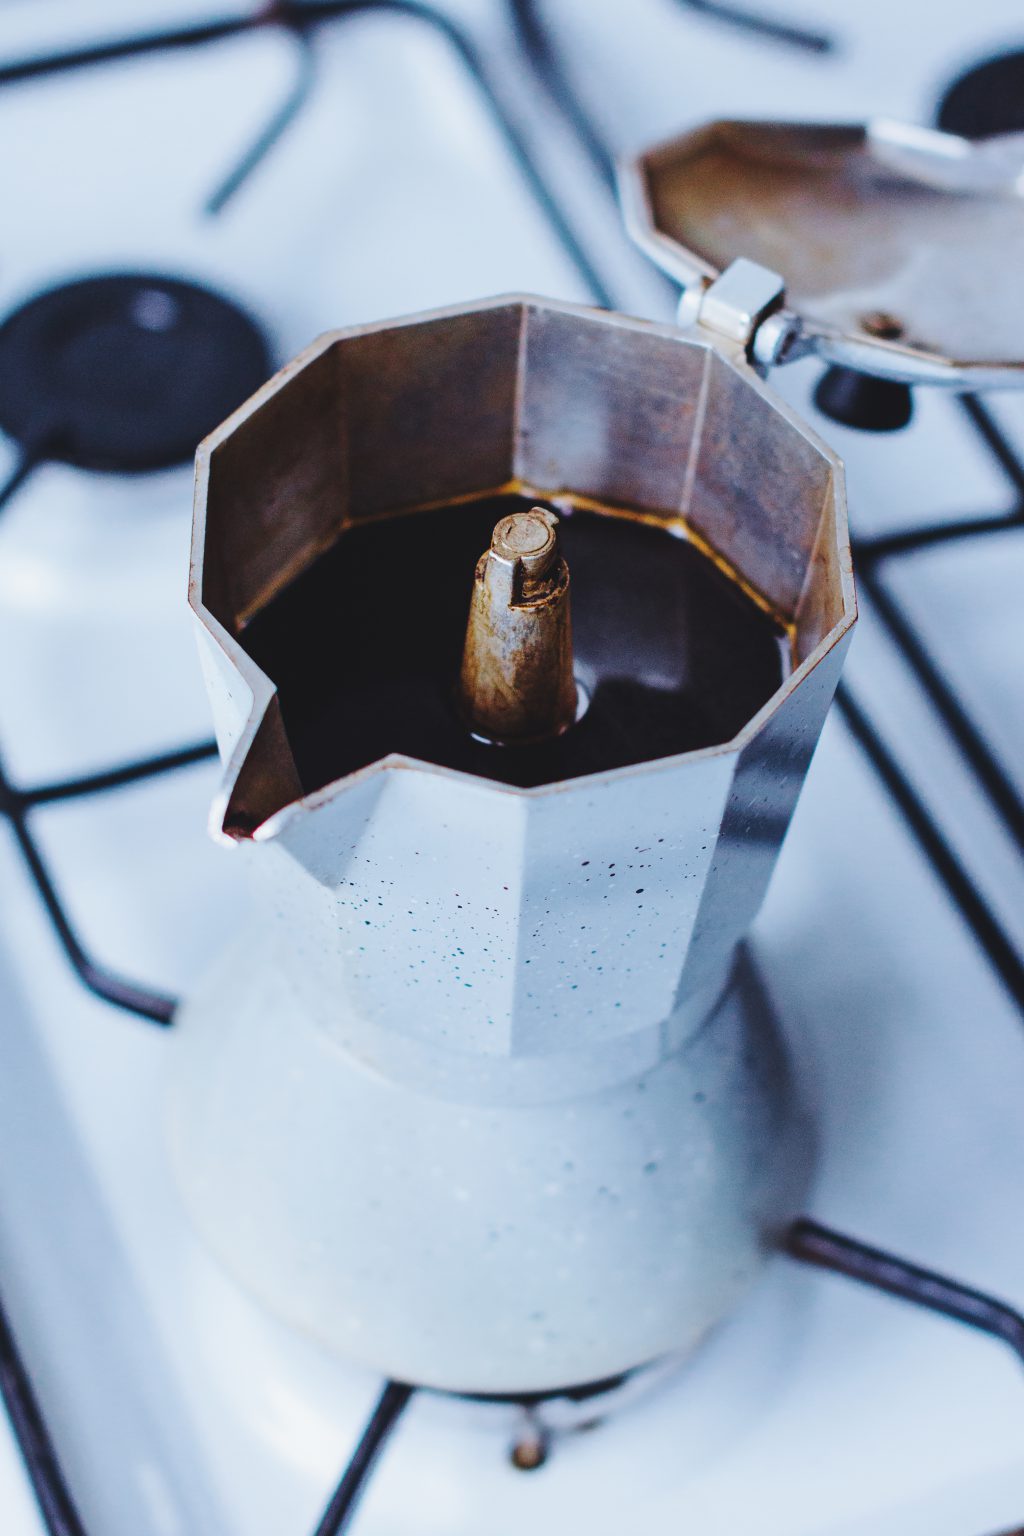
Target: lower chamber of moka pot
(547, 1246)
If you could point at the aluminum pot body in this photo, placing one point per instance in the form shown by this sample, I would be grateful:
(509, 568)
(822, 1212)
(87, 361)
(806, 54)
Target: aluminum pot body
(484, 1097)
(470, 1242)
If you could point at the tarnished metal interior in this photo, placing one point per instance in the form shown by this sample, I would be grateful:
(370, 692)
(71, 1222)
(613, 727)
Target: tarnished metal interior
(527, 393)
(912, 239)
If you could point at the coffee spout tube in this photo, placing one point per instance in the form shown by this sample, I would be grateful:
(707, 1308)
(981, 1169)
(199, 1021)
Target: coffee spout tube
(516, 683)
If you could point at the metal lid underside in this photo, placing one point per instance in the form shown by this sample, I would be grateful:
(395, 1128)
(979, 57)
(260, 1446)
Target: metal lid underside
(864, 223)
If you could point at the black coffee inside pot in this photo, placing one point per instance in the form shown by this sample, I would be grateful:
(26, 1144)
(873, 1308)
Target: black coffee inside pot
(365, 646)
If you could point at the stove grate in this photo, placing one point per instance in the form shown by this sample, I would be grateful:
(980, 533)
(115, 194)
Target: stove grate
(17, 804)
(42, 1465)
(819, 1246)
(301, 20)
(807, 1241)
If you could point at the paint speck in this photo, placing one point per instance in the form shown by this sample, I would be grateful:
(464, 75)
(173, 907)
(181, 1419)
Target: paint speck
(639, 890)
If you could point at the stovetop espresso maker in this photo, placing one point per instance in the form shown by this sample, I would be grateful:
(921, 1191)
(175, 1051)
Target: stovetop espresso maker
(520, 622)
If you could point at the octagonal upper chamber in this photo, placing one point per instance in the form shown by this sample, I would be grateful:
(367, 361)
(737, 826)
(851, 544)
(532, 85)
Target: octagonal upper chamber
(605, 875)
(341, 513)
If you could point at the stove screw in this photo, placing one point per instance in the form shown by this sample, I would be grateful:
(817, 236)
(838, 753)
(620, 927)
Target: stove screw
(532, 1446)
(880, 323)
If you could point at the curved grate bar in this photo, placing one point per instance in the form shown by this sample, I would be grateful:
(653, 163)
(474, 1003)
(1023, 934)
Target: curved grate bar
(824, 1248)
(390, 1406)
(42, 1466)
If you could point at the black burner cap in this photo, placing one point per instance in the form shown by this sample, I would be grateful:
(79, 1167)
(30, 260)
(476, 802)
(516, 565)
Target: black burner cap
(856, 400)
(988, 99)
(126, 371)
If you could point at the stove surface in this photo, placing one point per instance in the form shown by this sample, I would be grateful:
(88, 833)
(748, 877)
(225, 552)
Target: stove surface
(379, 162)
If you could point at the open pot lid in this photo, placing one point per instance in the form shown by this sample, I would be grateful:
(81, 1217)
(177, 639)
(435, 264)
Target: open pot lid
(889, 248)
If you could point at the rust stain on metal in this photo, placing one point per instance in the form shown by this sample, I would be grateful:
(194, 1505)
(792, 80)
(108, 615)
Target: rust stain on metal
(881, 323)
(516, 683)
(531, 1451)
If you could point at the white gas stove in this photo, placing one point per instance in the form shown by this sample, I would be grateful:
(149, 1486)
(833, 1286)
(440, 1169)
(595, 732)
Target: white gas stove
(376, 163)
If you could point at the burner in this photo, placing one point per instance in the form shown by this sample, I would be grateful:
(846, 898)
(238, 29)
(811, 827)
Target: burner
(855, 399)
(988, 99)
(125, 372)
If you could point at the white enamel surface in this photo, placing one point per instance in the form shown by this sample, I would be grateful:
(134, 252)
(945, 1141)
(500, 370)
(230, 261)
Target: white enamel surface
(898, 1085)
(819, 1409)
(672, 68)
(16, 1501)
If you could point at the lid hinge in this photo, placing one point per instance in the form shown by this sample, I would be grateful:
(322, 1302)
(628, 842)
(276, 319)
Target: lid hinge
(743, 305)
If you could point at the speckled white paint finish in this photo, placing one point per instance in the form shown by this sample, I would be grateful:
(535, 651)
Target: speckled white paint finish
(442, 1107)
(472, 1244)
(466, 917)
(481, 1097)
